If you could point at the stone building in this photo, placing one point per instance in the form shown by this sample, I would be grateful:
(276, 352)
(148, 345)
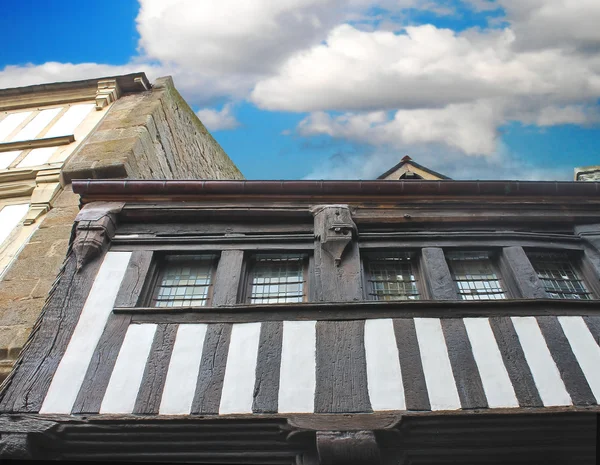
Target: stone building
(50, 134)
(318, 322)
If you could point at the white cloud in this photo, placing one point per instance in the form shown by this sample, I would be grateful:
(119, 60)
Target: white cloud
(470, 128)
(426, 67)
(218, 120)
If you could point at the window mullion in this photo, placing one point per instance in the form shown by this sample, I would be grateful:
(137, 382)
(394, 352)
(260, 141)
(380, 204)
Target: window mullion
(437, 275)
(518, 267)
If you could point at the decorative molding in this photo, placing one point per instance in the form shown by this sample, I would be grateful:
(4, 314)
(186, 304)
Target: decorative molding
(96, 225)
(37, 143)
(46, 189)
(16, 189)
(347, 448)
(108, 92)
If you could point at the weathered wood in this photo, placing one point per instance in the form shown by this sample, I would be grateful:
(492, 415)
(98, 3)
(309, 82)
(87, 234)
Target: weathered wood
(155, 373)
(348, 448)
(468, 240)
(199, 229)
(207, 397)
(364, 310)
(194, 246)
(515, 362)
(49, 339)
(518, 270)
(227, 278)
(466, 374)
(566, 362)
(101, 365)
(413, 376)
(135, 278)
(268, 364)
(439, 281)
(337, 273)
(341, 368)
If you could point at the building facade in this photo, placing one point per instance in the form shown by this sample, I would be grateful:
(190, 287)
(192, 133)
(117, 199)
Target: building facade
(115, 127)
(318, 322)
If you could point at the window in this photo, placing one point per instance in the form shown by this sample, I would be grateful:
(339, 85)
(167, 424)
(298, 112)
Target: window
(391, 276)
(559, 275)
(277, 278)
(184, 281)
(475, 276)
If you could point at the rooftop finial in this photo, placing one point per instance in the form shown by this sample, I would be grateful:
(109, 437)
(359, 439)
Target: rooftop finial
(406, 158)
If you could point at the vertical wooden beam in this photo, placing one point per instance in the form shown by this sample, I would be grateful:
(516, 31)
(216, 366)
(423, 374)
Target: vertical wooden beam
(227, 278)
(437, 274)
(518, 271)
(340, 344)
(337, 260)
(135, 279)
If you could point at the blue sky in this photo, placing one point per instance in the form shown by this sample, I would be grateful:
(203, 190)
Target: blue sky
(476, 89)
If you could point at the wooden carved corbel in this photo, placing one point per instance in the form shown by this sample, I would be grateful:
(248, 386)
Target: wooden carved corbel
(334, 229)
(347, 448)
(96, 225)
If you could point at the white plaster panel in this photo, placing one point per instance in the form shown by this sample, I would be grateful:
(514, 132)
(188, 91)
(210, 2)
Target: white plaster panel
(585, 348)
(10, 217)
(497, 386)
(240, 371)
(10, 123)
(71, 370)
(384, 376)
(182, 376)
(545, 373)
(37, 124)
(6, 158)
(37, 157)
(72, 118)
(297, 380)
(436, 365)
(126, 378)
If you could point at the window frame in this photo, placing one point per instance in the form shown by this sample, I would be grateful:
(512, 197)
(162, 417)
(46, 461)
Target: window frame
(245, 293)
(156, 271)
(580, 265)
(495, 257)
(417, 272)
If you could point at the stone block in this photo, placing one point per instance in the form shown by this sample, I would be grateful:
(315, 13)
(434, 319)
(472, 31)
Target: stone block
(21, 312)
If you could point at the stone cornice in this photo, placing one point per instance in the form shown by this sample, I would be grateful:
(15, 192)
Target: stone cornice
(37, 143)
(67, 92)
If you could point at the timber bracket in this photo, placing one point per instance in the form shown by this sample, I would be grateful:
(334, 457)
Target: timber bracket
(96, 224)
(334, 229)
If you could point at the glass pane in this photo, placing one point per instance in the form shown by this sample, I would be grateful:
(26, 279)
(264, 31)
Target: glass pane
(391, 276)
(277, 278)
(184, 281)
(475, 276)
(558, 275)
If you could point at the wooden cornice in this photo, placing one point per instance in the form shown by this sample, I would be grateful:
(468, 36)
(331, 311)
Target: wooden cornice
(37, 143)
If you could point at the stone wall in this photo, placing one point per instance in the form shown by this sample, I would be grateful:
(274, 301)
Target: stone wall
(149, 135)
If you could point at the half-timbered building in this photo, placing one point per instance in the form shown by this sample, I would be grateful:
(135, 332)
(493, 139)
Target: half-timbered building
(318, 322)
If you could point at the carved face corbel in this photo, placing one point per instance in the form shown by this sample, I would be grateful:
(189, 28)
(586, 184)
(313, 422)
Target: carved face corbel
(96, 224)
(335, 229)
